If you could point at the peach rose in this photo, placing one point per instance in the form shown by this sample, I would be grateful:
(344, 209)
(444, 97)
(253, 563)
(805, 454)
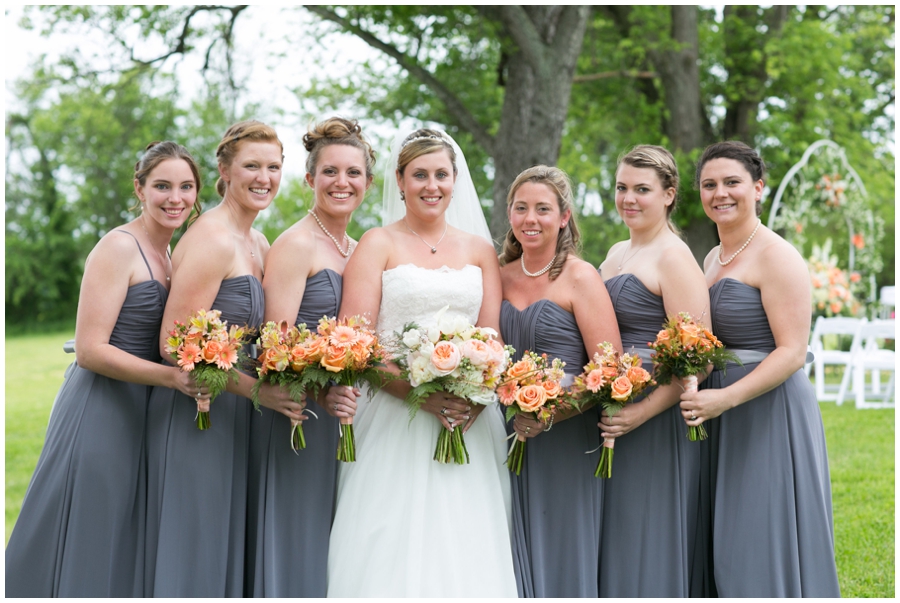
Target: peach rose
(211, 350)
(445, 357)
(621, 389)
(552, 388)
(637, 375)
(478, 352)
(690, 335)
(531, 397)
(335, 358)
(520, 369)
(609, 372)
(595, 380)
(315, 349)
(360, 354)
(663, 339)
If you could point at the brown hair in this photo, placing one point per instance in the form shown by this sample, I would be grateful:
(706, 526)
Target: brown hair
(740, 152)
(155, 153)
(241, 131)
(336, 130)
(569, 236)
(422, 142)
(661, 161)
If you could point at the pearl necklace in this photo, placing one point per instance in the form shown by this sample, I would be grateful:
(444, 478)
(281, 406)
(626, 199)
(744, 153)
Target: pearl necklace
(346, 254)
(433, 247)
(539, 272)
(164, 262)
(744, 246)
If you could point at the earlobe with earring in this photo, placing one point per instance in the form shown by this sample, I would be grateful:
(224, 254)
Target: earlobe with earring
(403, 196)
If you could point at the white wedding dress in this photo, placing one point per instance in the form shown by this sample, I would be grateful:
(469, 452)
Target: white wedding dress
(406, 525)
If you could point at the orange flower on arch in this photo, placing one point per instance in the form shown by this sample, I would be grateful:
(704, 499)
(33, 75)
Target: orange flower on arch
(859, 241)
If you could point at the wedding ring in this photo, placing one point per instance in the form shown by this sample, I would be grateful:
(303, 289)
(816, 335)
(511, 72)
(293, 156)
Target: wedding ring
(693, 417)
(334, 407)
(444, 411)
(528, 430)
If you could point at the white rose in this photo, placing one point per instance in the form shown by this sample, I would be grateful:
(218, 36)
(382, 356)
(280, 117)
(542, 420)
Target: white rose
(411, 338)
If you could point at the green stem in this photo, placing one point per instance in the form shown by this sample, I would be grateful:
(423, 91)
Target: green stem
(203, 420)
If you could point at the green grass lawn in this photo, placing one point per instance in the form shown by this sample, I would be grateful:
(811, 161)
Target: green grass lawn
(860, 454)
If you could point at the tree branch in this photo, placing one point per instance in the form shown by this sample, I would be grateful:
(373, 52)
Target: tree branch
(181, 42)
(579, 79)
(454, 105)
(519, 26)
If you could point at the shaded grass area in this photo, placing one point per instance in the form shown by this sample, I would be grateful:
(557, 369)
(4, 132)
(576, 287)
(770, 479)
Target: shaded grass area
(860, 452)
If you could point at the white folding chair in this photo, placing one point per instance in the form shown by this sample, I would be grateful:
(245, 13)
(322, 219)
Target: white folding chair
(838, 325)
(868, 354)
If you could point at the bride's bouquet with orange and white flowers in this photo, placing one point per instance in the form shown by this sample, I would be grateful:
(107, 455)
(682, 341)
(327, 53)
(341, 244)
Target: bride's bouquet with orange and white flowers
(452, 356)
(286, 353)
(532, 385)
(612, 380)
(208, 349)
(683, 348)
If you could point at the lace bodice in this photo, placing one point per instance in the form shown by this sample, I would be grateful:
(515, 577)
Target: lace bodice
(411, 293)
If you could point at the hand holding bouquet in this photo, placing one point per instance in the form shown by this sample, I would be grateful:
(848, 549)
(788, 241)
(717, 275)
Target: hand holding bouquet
(208, 350)
(532, 385)
(456, 357)
(286, 353)
(612, 380)
(684, 348)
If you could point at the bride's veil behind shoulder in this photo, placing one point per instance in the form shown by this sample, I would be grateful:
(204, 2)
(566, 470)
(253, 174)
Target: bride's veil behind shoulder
(464, 211)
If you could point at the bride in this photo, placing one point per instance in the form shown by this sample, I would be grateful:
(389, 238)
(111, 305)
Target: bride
(405, 525)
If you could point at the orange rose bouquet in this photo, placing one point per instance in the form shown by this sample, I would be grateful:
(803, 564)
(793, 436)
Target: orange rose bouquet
(683, 348)
(208, 349)
(532, 385)
(286, 354)
(451, 356)
(612, 380)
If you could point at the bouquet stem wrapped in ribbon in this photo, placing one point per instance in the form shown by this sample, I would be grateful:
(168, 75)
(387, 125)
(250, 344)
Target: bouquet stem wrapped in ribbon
(456, 357)
(206, 348)
(612, 380)
(532, 385)
(684, 348)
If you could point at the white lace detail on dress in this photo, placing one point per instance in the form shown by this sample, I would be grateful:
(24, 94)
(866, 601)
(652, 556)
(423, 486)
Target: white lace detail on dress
(410, 293)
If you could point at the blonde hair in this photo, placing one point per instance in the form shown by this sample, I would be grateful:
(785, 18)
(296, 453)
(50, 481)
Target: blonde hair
(661, 161)
(230, 143)
(569, 238)
(423, 142)
(336, 130)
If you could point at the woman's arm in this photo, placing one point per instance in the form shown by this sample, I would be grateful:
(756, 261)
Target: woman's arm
(288, 265)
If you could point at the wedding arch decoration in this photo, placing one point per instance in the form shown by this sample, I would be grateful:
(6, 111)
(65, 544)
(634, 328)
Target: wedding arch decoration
(823, 189)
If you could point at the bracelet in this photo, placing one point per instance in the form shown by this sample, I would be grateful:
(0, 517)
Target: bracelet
(550, 426)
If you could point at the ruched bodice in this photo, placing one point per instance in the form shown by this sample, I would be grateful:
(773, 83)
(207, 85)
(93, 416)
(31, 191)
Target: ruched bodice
(321, 297)
(137, 328)
(241, 301)
(738, 316)
(639, 312)
(545, 328)
(412, 293)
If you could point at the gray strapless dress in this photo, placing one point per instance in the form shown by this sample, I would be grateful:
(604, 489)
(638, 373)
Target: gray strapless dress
(291, 494)
(650, 504)
(556, 501)
(81, 529)
(773, 534)
(197, 489)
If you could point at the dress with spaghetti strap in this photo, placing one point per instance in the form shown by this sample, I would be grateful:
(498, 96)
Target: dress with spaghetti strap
(773, 534)
(650, 504)
(81, 529)
(197, 480)
(291, 494)
(556, 500)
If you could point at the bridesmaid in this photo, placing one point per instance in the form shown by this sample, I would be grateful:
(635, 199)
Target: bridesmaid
(291, 499)
(650, 504)
(772, 524)
(197, 503)
(554, 303)
(81, 529)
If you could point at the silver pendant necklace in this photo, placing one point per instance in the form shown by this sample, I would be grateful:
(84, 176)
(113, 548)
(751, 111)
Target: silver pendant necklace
(430, 246)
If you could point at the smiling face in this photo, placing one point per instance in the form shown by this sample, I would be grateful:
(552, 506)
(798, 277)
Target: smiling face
(254, 174)
(427, 182)
(534, 216)
(168, 193)
(641, 199)
(728, 191)
(340, 180)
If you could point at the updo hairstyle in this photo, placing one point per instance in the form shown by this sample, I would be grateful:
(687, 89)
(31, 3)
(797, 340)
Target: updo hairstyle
(228, 147)
(422, 142)
(740, 152)
(155, 153)
(336, 130)
(569, 237)
(660, 160)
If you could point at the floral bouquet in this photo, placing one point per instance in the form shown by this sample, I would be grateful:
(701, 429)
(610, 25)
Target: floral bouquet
(456, 357)
(207, 349)
(612, 380)
(532, 385)
(286, 354)
(832, 288)
(682, 349)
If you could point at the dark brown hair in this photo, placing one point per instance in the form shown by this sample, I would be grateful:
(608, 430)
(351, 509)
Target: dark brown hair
(336, 130)
(740, 152)
(157, 152)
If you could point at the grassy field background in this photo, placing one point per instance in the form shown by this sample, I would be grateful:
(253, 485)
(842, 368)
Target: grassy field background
(860, 453)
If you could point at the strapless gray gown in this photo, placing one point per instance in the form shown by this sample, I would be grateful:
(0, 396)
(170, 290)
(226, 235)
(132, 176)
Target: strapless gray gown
(650, 504)
(556, 501)
(773, 534)
(197, 490)
(81, 529)
(291, 494)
